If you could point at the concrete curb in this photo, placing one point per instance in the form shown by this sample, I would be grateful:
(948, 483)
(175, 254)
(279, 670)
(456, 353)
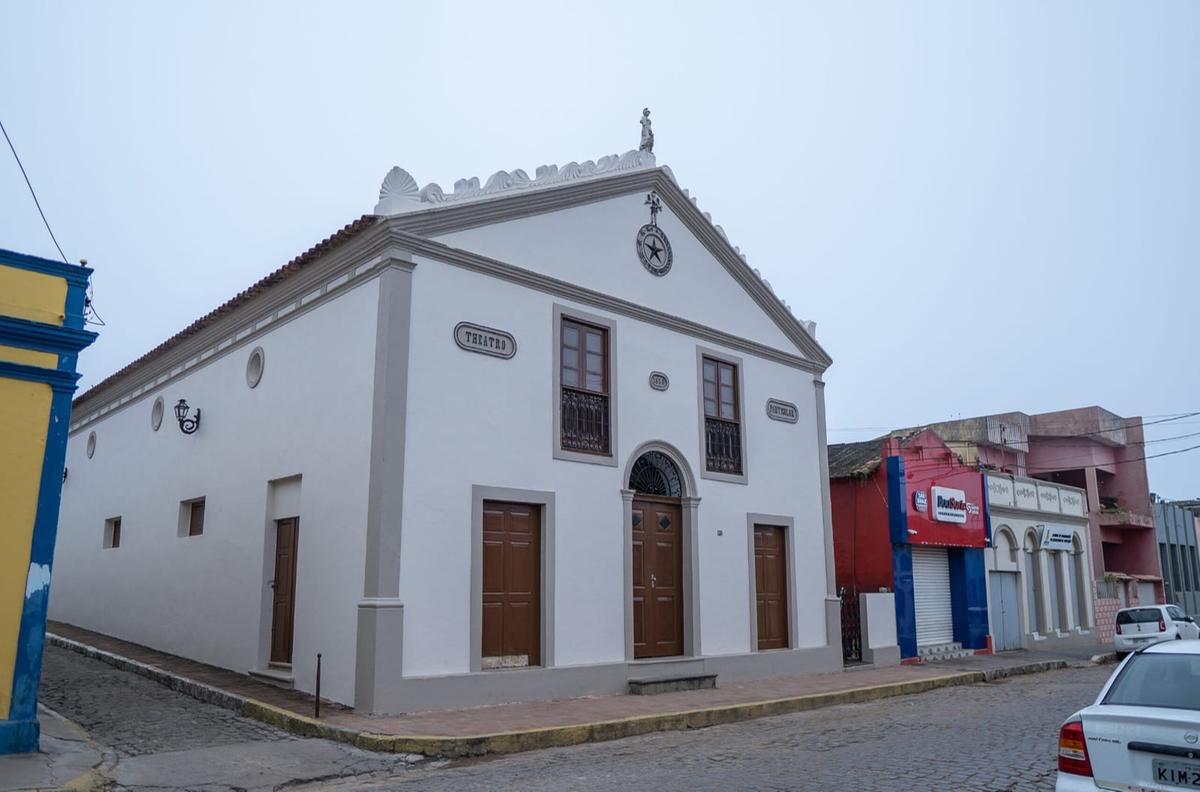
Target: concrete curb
(551, 737)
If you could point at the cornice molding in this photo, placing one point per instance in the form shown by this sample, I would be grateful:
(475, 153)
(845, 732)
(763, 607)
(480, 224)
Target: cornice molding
(38, 335)
(75, 274)
(476, 262)
(340, 270)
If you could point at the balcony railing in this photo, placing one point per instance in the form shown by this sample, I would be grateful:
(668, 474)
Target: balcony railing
(723, 446)
(585, 425)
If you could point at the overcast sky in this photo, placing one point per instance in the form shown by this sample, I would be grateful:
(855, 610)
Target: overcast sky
(984, 206)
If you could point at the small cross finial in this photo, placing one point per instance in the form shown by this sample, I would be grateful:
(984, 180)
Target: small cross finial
(655, 204)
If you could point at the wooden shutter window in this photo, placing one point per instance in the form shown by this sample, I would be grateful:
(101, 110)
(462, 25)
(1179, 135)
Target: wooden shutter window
(196, 518)
(722, 417)
(584, 379)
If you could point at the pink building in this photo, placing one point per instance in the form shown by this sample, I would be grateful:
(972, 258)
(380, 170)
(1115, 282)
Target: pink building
(1101, 453)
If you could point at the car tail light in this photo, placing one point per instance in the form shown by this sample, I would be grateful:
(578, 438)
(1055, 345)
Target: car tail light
(1162, 626)
(1072, 750)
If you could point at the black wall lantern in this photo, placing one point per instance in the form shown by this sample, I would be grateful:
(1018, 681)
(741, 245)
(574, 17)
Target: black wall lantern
(186, 425)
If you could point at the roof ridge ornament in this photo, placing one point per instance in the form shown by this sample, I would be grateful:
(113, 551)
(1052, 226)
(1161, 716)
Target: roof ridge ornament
(647, 143)
(399, 193)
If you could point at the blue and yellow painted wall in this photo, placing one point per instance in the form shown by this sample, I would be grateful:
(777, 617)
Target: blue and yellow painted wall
(41, 335)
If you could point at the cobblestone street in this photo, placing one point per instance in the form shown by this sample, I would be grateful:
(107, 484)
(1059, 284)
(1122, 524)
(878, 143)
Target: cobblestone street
(162, 740)
(997, 736)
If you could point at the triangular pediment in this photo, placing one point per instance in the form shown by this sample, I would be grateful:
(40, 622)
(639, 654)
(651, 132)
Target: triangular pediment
(584, 231)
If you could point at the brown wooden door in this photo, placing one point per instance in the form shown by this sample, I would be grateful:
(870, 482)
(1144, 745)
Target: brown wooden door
(283, 612)
(657, 578)
(770, 582)
(512, 560)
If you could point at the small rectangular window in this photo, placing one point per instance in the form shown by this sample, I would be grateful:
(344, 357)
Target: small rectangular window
(196, 518)
(112, 533)
(191, 517)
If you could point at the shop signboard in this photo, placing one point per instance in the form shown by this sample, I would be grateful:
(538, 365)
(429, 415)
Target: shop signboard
(949, 505)
(1056, 538)
(943, 509)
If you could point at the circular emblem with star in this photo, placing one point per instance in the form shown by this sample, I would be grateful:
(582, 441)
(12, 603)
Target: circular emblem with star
(653, 249)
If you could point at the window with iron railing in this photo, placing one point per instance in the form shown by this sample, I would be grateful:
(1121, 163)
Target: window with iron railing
(584, 379)
(722, 418)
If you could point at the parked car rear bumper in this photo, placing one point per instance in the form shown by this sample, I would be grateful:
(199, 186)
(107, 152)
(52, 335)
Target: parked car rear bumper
(1069, 782)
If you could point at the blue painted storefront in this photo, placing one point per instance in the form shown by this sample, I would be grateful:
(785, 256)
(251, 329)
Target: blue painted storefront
(968, 587)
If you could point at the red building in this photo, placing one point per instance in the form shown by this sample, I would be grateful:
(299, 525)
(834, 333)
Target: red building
(910, 517)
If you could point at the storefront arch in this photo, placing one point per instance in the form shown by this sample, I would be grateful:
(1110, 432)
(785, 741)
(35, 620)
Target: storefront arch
(1083, 584)
(1033, 582)
(1005, 544)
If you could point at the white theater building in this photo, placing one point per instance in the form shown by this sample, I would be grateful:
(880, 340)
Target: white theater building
(530, 439)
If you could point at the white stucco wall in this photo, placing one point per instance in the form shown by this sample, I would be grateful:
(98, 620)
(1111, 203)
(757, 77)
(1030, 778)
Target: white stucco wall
(594, 246)
(1000, 558)
(474, 419)
(206, 597)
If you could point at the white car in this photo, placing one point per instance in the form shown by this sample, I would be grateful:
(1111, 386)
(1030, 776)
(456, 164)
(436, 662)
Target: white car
(1143, 732)
(1138, 627)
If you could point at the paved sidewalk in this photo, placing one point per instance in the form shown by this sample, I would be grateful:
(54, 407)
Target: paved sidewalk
(522, 726)
(68, 758)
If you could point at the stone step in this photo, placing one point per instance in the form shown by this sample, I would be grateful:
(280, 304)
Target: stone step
(943, 656)
(277, 675)
(935, 650)
(671, 684)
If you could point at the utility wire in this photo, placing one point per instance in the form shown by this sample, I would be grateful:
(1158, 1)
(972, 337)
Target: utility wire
(29, 184)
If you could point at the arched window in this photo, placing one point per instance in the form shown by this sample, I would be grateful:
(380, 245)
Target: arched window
(1083, 583)
(1004, 544)
(655, 474)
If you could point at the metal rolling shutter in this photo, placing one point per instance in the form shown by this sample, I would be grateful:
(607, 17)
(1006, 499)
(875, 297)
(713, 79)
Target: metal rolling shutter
(931, 590)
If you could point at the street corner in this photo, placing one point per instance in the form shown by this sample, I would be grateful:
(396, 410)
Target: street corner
(69, 759)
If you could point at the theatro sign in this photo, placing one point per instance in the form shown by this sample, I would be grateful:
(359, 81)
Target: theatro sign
(484, 340)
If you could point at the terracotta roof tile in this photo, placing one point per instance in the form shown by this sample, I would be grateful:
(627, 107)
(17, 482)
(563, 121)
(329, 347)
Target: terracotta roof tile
(284, 272)
(855, 459)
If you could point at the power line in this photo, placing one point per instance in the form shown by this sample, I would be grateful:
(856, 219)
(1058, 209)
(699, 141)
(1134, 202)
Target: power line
(29, 184)
(1122, 461)
(1166, 417)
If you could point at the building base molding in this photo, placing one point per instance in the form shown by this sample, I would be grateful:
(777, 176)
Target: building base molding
(454, 691)
(378, 665)
(19, 736)
(882, 656)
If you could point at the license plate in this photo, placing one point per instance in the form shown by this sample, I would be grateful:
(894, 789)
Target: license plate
(1181, 774)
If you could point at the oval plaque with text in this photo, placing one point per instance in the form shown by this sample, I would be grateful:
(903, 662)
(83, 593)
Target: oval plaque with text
(782, 411)
(485, 340)
(659, 381)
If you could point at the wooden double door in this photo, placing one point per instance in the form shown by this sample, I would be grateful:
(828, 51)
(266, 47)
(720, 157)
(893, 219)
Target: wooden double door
(657, 577)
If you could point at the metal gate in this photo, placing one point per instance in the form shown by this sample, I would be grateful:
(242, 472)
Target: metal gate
(931, 596)
(1004, 615)
(851, 627)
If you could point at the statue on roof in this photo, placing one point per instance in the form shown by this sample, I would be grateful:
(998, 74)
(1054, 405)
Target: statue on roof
(647, 132)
